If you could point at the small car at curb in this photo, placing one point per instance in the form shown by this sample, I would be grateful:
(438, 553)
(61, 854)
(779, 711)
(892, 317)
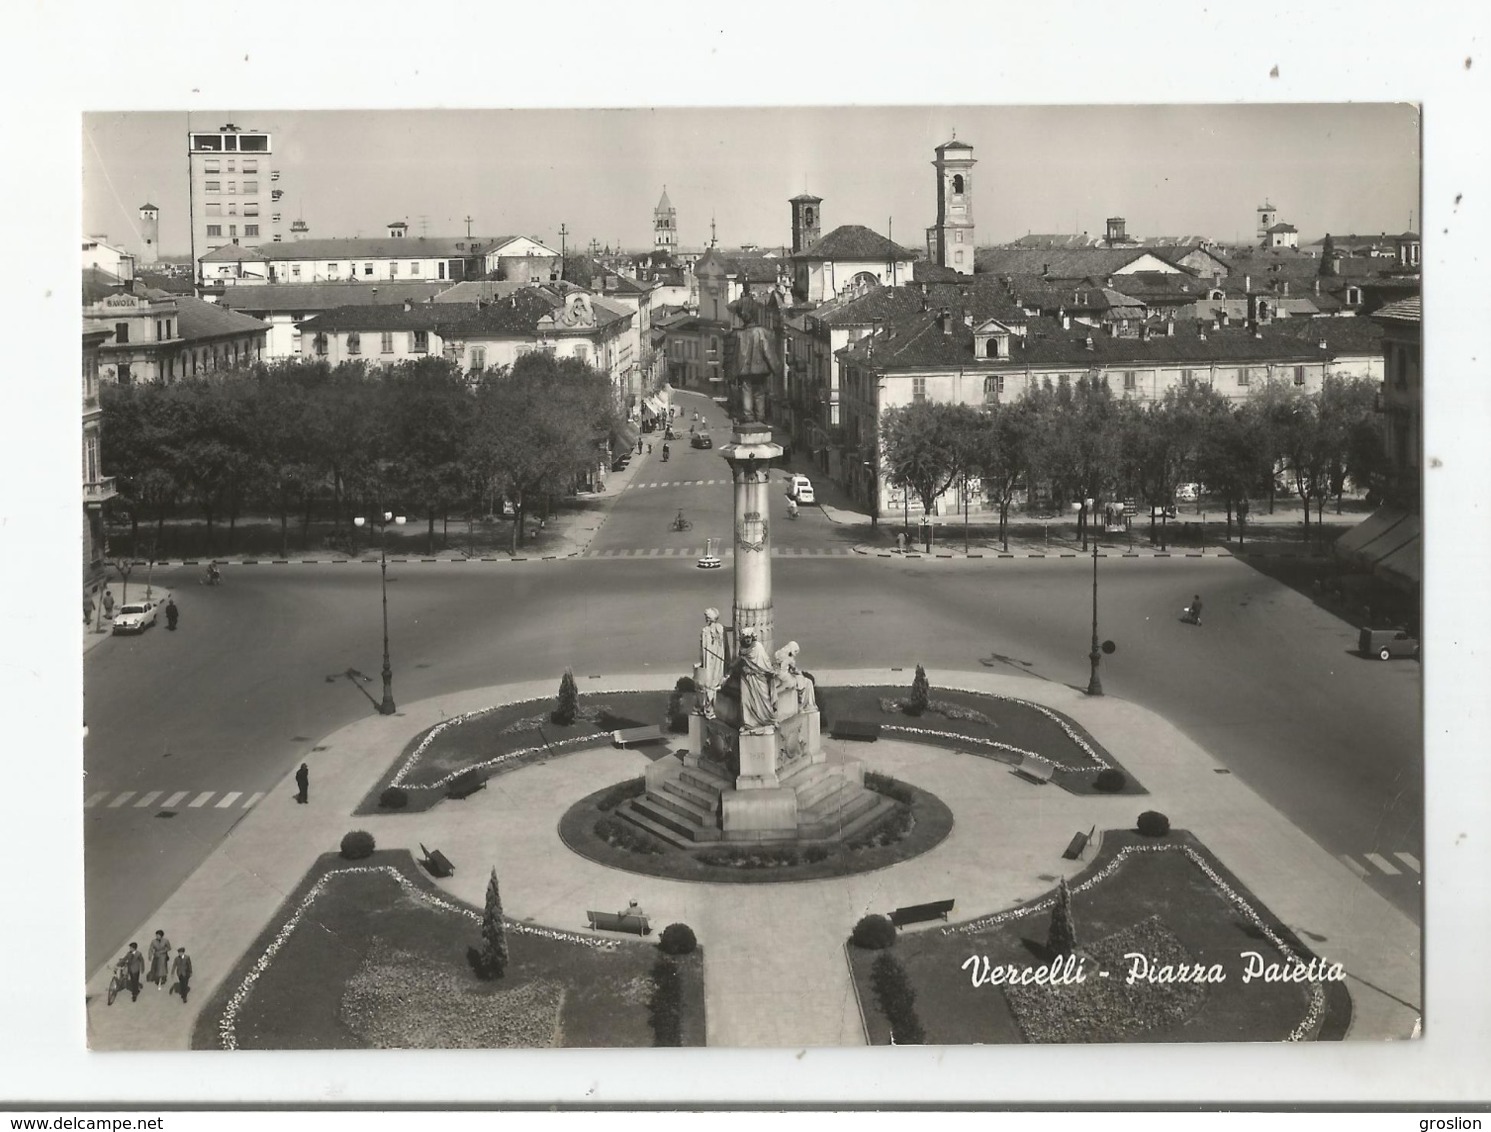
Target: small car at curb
(801, 489)
(134, 617)
(701, 440)
(1385, 644)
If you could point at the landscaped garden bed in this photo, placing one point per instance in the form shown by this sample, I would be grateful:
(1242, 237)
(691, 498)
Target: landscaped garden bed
(504, 737)
(918, 822)
(371, 955)
(1165, 898)
(984, 724)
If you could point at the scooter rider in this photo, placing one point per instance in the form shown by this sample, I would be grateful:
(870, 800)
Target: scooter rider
(1194, 612)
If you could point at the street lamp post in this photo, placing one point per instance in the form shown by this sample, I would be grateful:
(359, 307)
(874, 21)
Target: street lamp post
(386, 706)
(1094, 683)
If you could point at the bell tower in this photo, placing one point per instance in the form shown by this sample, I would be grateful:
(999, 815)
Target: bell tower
(955, 228)
(665, 225)
(807, 221)
(149, 234)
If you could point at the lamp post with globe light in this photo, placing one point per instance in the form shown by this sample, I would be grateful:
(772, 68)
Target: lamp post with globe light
(386, 707)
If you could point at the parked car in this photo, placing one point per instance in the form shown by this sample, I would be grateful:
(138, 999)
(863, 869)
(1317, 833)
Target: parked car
(1187, 492)
(702, 440)
(134, 617)
(1385, 644)
(801, 489)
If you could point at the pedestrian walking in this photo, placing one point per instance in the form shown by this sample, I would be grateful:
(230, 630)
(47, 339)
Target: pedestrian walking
(87, 610)
(182, 969)
(171, 614)
(134, 967)
(160, 960)
(303, 780)
(108, 604)
(649, 448)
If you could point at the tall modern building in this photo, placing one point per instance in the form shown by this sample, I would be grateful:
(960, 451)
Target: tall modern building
(953, 235)
(234, 192)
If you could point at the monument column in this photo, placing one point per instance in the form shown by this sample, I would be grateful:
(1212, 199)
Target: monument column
(750, 455)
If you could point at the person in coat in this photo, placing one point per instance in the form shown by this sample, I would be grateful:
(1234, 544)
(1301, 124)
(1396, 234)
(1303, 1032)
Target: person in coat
(182, 969)
(160, 960)
(171, 613)
(108, 605)
(303, 780)
(134, 967)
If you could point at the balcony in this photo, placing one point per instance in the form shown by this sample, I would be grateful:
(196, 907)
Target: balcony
(99, 491)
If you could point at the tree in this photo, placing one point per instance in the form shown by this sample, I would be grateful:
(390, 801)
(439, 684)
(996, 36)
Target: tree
(1078, 442)
(920, 693)
(925, 449)
(427, 414)
(1002, 454)
(1062, 937)
(493, 963)
(568, 705)
(1234, 460)
(1161, 442)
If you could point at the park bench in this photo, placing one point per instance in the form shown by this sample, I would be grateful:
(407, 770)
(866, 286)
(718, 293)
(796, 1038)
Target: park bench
(627, 736)
(865, 732)
(437, 862)
(1035, 769)
(635, 923)
(916, 913)
(465, 786)
(1078, 844)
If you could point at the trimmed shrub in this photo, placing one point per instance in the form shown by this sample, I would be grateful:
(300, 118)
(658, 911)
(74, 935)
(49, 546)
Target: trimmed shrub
(358, 844)
(665, 1009)
(815, 853)
(677, 939)
(873, 933)
(679, 703)
(897, 1001)
(885, 784)
(1061, 939)
(887, 831)
(568, 704)
(394, 798)
(621, 792)
(1152, 823)
(921, 693)
(623, 835)
(1109, 780)
(467, 782)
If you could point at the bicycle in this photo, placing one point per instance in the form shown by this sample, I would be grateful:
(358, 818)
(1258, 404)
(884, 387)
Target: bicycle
(117, 982)
(682, 524)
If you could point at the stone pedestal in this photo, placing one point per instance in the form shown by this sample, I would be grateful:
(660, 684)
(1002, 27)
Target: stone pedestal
(758, 761)
(768, 814)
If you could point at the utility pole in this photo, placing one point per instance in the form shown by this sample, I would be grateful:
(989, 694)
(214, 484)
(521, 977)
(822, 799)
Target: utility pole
(563, 234)
(468, 225)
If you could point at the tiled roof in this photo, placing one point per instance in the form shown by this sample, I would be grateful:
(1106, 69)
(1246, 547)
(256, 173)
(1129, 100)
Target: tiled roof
(1282, 227)
(1055, 240)
(756, 268)
(919, 342)
(1067, 263)
(98, 283)
(197, 319)
(233, 253)
(478, 290)
(894, 303)
(853, 242)
(1404, 310)
(663, 203)
(925, 271)
(385, 247)
(808, 198)
(325, 296)
(517, 314)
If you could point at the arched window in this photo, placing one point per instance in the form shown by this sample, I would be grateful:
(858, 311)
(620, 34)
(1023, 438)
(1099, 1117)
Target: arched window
(957, 182)
(991, 348)
(807, 217)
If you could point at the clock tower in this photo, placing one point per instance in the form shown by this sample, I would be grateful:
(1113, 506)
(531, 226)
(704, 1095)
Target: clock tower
(806, 221)
(954, 231)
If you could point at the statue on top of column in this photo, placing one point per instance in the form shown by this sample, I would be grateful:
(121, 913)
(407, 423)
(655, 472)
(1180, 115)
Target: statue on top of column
(755, 359)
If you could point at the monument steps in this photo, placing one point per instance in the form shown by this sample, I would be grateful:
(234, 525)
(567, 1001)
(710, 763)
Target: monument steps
(685, 807)
(705, 778)
(840, 826)
(670, 825)
(845, 803)
(703, 800)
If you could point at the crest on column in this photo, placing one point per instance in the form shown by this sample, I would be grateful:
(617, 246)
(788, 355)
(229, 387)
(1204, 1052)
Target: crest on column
(751, 531)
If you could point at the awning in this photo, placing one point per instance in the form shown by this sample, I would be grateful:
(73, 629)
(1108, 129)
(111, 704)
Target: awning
(623, 437)
(654, 405)
(1374, 526)
(1390, 544)
(1404, 567)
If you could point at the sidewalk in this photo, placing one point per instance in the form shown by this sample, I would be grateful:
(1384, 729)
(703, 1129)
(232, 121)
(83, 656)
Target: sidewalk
(93, 636)
(775, 973)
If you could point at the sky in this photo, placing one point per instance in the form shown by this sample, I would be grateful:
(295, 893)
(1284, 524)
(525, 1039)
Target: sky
(1168, 170)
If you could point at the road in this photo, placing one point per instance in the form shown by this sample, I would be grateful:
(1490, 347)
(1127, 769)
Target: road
(221, 711)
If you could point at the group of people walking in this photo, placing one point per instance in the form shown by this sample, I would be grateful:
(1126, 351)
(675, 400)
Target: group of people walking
(172, 613)
(163, 968)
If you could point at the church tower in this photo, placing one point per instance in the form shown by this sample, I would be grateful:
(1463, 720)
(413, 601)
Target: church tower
(954, 235)
(1268, 216)
(665, 225)
(807, 221)
(149, 234)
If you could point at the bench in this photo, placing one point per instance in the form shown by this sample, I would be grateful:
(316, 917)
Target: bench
(465, 786)
(1032, 768)
(856, 729)
(631, 922)
(916, 913)
(1078, 844)
(437, 863)
(627, 736)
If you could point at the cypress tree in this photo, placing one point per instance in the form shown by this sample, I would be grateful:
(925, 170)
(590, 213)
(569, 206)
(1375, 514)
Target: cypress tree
(920, 693)
(493, 933)
(569, 700)
(1062, 938)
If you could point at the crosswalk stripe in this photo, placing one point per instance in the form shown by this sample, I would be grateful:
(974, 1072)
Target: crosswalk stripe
(1384, 864)
(174, 800)
(200, 799)
(254, 799)
(145, 800)
(123, 798)
(1354, 866)
(95, 799)
(1410, 860)
(229, 798)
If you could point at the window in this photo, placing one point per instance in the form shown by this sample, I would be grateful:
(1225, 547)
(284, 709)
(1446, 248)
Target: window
(121, 332)
(958, 256)
(420, 341)
(332, 269)
(232, 230)
(320, 345)
(957, 183)
(232, 186)
(1353, 296)
(385, 346)
(250, 209)
(123, 373)
(993, 387)
(250, 229)
(1244, 375)
(214, 208)
(478, 359)
(918, 389)
(258, 143)
(414, 269)
(1130, 381)
(1299, 375)
(354, 342)
(213, 187)
(250, 165)
(393, 270)
(367, 269)
(582, 353)
(1187, 375)
(250, 188)
(215, 230)
(295, 271)
(212, 166)
(959, 235)
(274, 218)
(232, 208)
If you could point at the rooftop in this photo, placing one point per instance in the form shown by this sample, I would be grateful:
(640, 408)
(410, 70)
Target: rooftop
(854, 242)
(325, 296)
(1404, 310)
(383, 247)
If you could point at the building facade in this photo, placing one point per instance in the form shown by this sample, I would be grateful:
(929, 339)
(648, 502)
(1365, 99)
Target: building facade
(1402, 400)
(158, 336)
(233, 189)
(850, 256)
(391, 258)
(98, 488)
(283, 306)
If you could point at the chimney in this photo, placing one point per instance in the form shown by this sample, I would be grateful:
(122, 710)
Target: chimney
(968, 318)
(1066, 322)
(945, 317)
(1225, 320)
(1089, 341)
(1248, 284)
(1169, 328)
(1144, 333)
(1324, 345)
(1317, 285)
(1286, 288)
(408, 305)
